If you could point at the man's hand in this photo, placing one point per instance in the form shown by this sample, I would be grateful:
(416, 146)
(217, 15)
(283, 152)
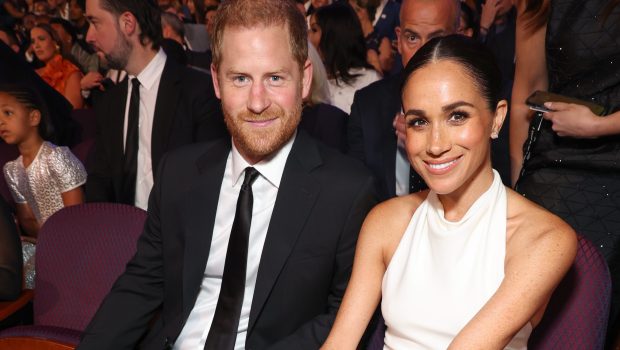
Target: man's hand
(92, 80)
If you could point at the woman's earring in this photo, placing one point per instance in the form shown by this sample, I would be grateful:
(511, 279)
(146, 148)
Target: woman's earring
(494, 135)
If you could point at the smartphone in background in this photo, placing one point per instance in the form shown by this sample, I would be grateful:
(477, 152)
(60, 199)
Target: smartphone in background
(536, 102)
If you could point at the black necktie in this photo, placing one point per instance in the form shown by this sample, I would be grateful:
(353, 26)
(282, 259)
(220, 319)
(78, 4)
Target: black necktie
(223, 332)
(130, 161)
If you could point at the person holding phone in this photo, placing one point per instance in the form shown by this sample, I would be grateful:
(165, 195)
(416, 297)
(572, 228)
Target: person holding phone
(572, 165)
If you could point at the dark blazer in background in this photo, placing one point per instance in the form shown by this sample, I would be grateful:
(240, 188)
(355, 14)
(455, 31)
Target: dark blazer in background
(370, 133)
(186, 111)
(326, 123)
(388, 20)
(305, 265)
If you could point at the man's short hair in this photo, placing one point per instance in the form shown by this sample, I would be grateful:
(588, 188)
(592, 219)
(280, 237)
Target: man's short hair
(147, 14)
(173, 21)
(261, 13)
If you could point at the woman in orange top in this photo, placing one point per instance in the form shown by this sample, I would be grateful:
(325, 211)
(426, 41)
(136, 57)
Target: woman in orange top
(60, 73)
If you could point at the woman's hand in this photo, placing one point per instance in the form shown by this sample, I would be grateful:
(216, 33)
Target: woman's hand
(573, 120)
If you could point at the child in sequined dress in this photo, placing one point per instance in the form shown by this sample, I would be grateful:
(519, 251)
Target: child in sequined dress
(45, 177)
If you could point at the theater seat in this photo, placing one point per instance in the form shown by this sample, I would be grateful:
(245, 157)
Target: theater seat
(81, 250)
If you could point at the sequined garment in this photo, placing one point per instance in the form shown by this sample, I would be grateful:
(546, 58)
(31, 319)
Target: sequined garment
(53, 171)
(579, 179)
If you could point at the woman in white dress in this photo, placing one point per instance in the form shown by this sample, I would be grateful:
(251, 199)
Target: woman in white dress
(468, 264)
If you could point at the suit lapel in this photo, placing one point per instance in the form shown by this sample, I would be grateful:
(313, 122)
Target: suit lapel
(199, 212)
(390, 141)
(296, 196)
(165, 109)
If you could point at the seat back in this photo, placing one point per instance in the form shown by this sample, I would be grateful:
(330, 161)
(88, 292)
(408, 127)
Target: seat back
(577, 314)
(576, 317)
(81, 250)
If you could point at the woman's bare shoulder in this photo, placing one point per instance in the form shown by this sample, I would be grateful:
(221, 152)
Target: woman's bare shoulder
(532, 226)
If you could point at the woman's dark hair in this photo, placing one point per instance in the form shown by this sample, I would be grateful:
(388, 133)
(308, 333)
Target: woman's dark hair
(32, 100)
(474, 57)
(342, 41)
(147, 14)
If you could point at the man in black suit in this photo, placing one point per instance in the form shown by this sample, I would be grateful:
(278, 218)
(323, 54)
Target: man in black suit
(376, 119)
(161, 106)
(248, 244)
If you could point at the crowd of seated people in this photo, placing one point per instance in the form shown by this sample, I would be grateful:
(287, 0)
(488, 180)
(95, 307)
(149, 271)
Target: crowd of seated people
(427, 97)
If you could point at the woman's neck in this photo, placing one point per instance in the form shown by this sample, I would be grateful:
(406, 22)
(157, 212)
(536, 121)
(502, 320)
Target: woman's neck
(29, 149)
(457, 203)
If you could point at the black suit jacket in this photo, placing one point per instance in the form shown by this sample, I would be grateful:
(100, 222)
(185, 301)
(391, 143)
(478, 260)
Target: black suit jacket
(370, 133)
(305, 265)
(186, 111)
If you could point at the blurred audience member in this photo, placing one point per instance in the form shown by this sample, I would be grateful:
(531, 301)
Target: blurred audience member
(566, 159)
(41, 8)
(174, 30)
(10, 255)
(59, 8)
(7, 36)
(10, 12)
(376, 127)
(210, 12)
(57, 71)
(162, 106)
(497, 31)
(74, 49)
(319, 118)
(336, 32)
(379, 48)
(77, 17)
(386, 18)
(468, 22)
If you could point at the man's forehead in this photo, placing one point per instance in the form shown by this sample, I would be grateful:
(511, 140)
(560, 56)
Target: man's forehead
(422, 12)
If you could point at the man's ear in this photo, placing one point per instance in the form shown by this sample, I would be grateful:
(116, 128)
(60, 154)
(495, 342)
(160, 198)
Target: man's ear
(216, 81)
(397, 31)
(306, 82)
(128, 23)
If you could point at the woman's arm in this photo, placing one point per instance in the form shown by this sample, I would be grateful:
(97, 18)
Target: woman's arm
(530, 75)
(536, 260)
(378, 240)
(27, 221)
(73, 197)
(13, 11)
(72, 90)
(373, 59)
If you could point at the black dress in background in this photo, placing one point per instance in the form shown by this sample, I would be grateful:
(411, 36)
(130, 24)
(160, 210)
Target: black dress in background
(579, 179)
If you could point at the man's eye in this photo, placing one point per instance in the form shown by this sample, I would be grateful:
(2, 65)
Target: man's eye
(240, 80)
(276, 80)
(411, 37)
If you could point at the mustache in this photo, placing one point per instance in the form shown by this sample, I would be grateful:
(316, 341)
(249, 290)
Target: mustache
(268, 114)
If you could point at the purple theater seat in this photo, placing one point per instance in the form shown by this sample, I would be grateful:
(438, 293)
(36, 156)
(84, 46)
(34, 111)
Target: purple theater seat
(81, 250)
(577, 314)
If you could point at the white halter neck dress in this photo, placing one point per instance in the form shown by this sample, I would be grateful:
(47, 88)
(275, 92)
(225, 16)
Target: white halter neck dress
(444, 272)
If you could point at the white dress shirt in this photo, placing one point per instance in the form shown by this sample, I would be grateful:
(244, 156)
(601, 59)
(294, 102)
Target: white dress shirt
(149, 86)
(265, 191)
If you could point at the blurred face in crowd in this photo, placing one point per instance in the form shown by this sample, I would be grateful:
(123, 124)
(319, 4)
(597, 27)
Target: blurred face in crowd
(105, 35)
(423, 20)
(43, 44)
(449, 126)
(62, 34)
(75, 11)
(319, 3)
(29, 21)
(40, 8)
(209, 16)
(261, 86)
(314, 33)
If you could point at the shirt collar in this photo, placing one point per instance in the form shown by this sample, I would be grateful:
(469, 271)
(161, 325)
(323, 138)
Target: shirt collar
(152, 72)
(271, 168)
